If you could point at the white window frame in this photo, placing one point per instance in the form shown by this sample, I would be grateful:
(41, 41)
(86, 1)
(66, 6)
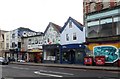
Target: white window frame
(73, 36)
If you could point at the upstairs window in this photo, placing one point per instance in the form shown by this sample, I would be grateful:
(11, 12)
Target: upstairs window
(70, 24)
(67, 37)
(36, 40)
(74, 36)
(29, 41)
(13, 35)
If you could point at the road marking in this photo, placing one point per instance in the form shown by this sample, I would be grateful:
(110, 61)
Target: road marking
(60, 73)
(20, 68)
(56, 72)
(36, 72)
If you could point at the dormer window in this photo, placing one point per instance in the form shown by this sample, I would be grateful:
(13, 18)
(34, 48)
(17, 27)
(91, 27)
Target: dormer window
(70, 24)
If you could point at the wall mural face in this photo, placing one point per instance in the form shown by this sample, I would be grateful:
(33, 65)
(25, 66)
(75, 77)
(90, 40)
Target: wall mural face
(110, 53)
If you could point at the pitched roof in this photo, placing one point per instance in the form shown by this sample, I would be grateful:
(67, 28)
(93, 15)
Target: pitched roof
(78, 24)
(57, 27)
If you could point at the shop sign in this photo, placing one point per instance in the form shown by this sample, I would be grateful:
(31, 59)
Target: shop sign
(26, 34)
(73, 46)
(110, 53)
(35, 50)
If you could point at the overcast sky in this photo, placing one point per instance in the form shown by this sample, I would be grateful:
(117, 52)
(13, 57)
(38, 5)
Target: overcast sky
(36, 14)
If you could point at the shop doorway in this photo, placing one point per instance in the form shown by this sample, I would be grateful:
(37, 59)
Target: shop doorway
(72, 56)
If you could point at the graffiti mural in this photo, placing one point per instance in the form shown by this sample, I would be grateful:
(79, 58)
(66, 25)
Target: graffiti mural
(110, 53)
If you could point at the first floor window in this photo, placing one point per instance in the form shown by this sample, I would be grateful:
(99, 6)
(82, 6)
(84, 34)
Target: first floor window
(74, 36)
(67, 37)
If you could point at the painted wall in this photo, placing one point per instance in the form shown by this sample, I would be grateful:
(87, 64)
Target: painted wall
(15, 35)
(35, 43)
(80, 35)
(109, 50)
(51, 36)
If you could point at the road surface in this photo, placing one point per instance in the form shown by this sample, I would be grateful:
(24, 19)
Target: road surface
(25, 71)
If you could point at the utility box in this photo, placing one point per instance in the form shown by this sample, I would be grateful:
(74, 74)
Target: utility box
(100, 60)
(88, 60)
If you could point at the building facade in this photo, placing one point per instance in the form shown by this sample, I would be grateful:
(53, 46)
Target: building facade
(51, 46)
(7, 44)
(15, 41)
(2, 41)
(102, 21)
(72, 38)
(34, 48)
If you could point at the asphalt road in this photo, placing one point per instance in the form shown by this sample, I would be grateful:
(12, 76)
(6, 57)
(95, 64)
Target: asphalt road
(24, 71)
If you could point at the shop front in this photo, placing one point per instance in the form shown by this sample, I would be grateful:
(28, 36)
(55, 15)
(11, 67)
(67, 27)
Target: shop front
(14, 54)
(35, 55)
(108, 49)
(51, 53)
(7, 54)
(73, 53)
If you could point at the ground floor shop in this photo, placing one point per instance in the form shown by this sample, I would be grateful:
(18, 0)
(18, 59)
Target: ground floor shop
(73, 53)
(14, 54)
(51, 53)
(22, 55)
(35, 55)
(111, 50)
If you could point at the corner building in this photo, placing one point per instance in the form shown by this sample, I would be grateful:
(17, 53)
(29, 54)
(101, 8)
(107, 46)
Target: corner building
(102, 21)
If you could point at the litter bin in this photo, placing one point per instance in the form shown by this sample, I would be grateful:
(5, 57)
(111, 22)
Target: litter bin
(88, 60)
(100, 60)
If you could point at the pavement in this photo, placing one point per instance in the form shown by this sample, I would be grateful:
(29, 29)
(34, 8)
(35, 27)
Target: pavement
(74, 66)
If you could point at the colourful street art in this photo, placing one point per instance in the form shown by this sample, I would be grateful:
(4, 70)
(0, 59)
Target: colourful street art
(110, 53)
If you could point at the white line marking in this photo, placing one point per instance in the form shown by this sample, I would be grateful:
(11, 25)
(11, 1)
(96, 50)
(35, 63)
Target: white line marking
(20, 68)
(36, 72)
(60, 73)
(56, 72)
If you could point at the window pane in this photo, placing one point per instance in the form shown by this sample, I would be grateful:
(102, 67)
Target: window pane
(67, 37)
(108, 13)
(93, 23)
(74, 36)
(104, 21)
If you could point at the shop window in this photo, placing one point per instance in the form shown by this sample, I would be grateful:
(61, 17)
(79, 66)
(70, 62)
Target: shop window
(65, 56)
(67, 37)
(74, 36)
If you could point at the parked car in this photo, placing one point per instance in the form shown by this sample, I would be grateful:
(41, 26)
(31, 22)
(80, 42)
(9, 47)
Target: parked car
(21, 61)
(3, 61)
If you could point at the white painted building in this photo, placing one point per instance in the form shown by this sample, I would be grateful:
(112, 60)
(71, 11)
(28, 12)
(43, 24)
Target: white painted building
(72, 38)
(52, 43)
